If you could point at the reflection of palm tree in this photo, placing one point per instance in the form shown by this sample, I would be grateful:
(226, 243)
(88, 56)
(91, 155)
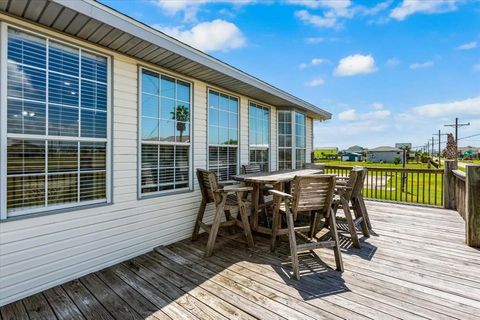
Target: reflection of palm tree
(181, 114)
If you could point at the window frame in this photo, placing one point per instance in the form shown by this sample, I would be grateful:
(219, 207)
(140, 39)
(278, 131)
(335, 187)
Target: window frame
(79, 205)
(269, 148)
(190, 144)
(293, 148)
(239, 134)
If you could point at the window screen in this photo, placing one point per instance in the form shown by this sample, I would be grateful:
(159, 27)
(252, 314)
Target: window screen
(56, 124)
(222, 134)
(165, 133)
(259, 135)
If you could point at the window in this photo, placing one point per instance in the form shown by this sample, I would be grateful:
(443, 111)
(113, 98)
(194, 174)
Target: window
(222, 134)
(284, 140)
(259, 135)
(56, 126)
(165, 133)
(291, 139)
(300, 142)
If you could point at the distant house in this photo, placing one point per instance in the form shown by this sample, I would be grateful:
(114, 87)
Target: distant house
(384, 154)
(352, 156)
(355, 149)
(468, 152)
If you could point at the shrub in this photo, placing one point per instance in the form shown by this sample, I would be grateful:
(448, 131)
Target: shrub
(397, 160)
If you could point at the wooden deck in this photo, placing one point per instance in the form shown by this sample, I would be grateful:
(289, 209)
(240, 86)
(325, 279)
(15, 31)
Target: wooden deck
(414, 266)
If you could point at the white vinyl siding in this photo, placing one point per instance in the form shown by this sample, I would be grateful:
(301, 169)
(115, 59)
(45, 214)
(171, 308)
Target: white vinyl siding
(56, 126)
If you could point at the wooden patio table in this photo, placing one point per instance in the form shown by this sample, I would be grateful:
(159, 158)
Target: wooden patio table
(277, 179)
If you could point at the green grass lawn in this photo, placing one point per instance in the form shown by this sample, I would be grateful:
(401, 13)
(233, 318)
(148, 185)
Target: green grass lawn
(382, 184)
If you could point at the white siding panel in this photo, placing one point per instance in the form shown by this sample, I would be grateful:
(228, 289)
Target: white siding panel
(309, 139)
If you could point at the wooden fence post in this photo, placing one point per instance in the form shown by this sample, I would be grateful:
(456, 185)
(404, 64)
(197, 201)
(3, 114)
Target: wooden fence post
(449, 184)
(472, 212)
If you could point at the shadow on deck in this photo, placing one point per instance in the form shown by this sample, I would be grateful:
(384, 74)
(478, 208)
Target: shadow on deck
(414, 266)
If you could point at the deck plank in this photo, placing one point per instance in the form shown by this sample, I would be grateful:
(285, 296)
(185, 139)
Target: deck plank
(415, 265)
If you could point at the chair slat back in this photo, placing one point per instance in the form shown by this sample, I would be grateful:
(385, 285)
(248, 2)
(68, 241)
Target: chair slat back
(208, 183)
(251, 168)
(352, 180)
(313, 193)
(361, 177)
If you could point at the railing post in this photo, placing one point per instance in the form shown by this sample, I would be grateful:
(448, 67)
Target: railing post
(472, 212)
(449, 184)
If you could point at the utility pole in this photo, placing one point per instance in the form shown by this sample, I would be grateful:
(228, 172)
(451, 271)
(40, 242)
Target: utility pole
(433, 143)
(428, 146)
(456, 126)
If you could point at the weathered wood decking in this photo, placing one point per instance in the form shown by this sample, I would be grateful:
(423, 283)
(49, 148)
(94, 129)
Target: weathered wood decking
(415, 265)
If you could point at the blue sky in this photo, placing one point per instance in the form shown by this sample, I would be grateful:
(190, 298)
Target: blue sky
(389, 71)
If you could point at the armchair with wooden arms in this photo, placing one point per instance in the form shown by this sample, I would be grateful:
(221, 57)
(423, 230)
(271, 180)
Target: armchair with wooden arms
(226, 199)
(312, 194)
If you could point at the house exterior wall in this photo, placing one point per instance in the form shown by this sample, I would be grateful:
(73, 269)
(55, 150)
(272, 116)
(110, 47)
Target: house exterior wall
(39, 252)
(383, 156)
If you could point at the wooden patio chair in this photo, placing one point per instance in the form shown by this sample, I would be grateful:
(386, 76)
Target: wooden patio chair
(251, 168)
(347, 191)
(312, 194)
(226, 199)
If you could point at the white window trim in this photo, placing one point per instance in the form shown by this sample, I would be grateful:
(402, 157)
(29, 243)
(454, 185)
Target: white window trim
(3, 127)
(141, 195)
(239, 134)
(294, 138)
(269, 133)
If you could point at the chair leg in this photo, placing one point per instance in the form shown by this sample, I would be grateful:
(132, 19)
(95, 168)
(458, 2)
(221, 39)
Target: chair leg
(351, 225)
(275, 223)
(215, 225)
(314, 225)
(293, 244)
(358, 213)
(245, 222)
(364, 211)
(201, 212)
(334, 235)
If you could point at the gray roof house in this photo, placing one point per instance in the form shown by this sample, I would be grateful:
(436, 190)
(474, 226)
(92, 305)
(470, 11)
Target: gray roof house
(104, 121)
(384, 154)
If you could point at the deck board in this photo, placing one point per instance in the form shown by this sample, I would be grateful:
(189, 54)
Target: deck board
(415, 265)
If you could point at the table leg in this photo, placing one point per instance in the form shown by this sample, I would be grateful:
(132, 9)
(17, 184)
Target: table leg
(254, 213)
(276, 224)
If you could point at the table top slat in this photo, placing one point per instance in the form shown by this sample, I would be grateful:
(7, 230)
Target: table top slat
(274, 177)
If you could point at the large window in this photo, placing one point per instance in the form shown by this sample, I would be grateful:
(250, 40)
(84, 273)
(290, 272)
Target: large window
(56, 126)
(300, 141)
(222, 134)
(291, 139)
(165, 133)
(259, 135)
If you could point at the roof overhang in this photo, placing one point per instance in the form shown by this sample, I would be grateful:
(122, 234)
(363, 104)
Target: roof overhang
(102, 25)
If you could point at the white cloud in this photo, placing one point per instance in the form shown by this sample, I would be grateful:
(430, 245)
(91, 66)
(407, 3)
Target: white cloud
(354, 65)
(469, 106)
(378, 106)
(348, 115)
(313, 62)
(392, 62)
(314, 40)
(190, 7)
(467, 46)
(315, 82)
(421, 65)
(476, 67)
(409, 7)
(352, 115)
(216, 35)
(329, 20)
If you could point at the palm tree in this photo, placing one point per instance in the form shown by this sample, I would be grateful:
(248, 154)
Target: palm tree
(181, 114)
